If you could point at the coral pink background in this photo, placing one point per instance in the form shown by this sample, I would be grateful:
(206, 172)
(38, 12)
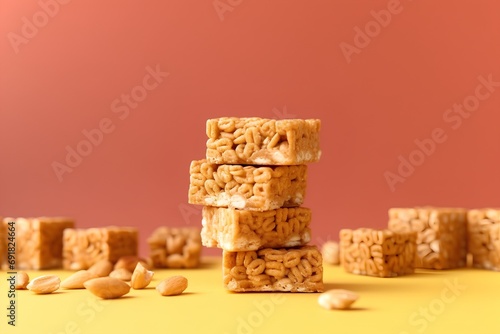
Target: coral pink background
(270, 59)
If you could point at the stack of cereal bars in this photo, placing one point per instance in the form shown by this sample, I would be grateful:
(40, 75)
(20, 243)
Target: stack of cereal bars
(252, 184)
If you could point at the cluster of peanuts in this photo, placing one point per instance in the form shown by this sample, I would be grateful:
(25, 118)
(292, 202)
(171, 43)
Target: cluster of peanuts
(484, 238)
(380, 253)
(238, 140)
(231, 184)
(84, 247)
(274, 269)
(442, 235)
(175, 247)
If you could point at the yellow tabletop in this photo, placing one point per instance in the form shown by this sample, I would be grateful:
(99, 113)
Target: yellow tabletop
(454, 301)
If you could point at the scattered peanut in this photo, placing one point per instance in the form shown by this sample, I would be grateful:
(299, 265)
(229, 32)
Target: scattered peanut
(122, 274)
(76, 280)
(44, 284)
(337, 299)
(107, 287)
(141, 277)
(101, 268)
(330, 252)
(22, 280)
(172, 286)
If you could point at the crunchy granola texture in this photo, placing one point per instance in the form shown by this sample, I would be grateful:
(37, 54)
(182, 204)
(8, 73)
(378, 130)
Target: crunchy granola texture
(245, 230)
(268, 269)
(484, 238)
(380, 253)
(39, 241)
(247, 187)
(84, 247)
(175, 247)
(441, 238)
(259, 141)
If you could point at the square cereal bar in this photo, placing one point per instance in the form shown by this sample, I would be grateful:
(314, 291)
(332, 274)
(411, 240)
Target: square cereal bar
(484, 238)
(260, 141)
(175, 247)
(381, 253)
(441, 238)
(84, 247)
(268, 269)
(39, 241)
(245, 230)
(247, 187)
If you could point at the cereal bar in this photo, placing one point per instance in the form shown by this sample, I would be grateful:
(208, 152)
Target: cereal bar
(247, 187)
(441, 238)
(175, 247)
(84, 247)
(381, 253)
(268, 269)
(245, 230)
(484, 238)
(39, 241)
(259, 141)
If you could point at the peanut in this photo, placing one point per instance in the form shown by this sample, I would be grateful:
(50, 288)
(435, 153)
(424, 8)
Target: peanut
(22, 280)
(141, 277)
(122, 274)
(107, 287)
(172, 286)
(76, 280)
(44, 284)
(130, 262)
(330, 251)
(101, 268)
(337, 299)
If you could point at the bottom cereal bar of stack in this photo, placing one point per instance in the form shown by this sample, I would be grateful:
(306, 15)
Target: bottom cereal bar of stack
(39, 241)
(84, 247)
(484, 238)
(286, 270)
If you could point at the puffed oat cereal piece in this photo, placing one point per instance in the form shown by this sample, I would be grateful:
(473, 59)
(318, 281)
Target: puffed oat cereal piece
(247, 187)
(269, 269)
(244, 230)
(484, 238)
(85, 247)
(259, 141)
(441, 238)
(177, 247)
(39, 241)
(381, 253)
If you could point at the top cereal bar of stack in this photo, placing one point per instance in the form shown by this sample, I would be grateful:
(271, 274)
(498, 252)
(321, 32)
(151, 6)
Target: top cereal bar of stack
(260, 141)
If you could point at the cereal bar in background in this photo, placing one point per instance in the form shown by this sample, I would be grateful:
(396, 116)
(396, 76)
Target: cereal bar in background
(39, 241)
(85, 247)
(175, 247)
(484, 238)
(441, 235)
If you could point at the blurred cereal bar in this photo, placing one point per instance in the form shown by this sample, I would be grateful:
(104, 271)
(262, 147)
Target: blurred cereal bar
(380, 253)
(244, 230)
(84, 247)
(175, 247)
(441, 238)
(259, 141)
(247, 187)
(268, 269)
(484, 238)
(39, 241)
